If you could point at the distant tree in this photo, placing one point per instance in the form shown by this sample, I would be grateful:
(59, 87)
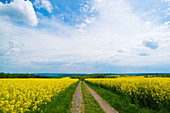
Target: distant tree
(15, 75)
(78, 77)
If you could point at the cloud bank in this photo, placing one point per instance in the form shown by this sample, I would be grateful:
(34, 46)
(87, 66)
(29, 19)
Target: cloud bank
(115, 39)
(19, 10)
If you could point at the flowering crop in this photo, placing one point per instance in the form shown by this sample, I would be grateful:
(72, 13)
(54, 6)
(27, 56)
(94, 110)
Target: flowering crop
(26, 95)
(148, 92)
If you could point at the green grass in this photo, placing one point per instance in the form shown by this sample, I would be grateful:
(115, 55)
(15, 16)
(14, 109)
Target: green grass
(122, 104)
(90, 104)
(62, 102)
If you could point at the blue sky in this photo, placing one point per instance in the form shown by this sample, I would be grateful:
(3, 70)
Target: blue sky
(85, 36)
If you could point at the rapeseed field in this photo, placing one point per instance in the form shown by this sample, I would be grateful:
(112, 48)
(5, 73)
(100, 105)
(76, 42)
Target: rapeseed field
(27, 95)
(152, 93)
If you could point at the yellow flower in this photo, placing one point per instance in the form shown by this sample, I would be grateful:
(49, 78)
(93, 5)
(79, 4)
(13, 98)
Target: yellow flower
(18, 95)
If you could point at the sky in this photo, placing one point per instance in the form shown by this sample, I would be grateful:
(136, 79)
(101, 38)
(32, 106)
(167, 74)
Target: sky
(85, 36)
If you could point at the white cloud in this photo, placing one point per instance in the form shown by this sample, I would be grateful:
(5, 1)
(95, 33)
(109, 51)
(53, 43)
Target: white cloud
(84, 9)
(14, 48)
(81, 27)
(166, 0)
(151, 44)
(143, 54)
(44, 4)
(121, 50)
(167, 11)
(19, 10)
(90, 20)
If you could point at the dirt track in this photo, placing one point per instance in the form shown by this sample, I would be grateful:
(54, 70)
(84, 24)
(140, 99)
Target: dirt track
(78, 104)
(107, 108)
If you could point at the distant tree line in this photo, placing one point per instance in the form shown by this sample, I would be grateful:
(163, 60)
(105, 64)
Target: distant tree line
(15, 75)
(98, 75)
(158, 75)
(91, 76)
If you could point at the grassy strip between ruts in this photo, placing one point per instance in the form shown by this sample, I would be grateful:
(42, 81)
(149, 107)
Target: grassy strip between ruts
(90, 104)
(123, 105)
(62, 102)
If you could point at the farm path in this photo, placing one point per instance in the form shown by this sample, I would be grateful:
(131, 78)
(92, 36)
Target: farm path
(107, 108)
(78, 104)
